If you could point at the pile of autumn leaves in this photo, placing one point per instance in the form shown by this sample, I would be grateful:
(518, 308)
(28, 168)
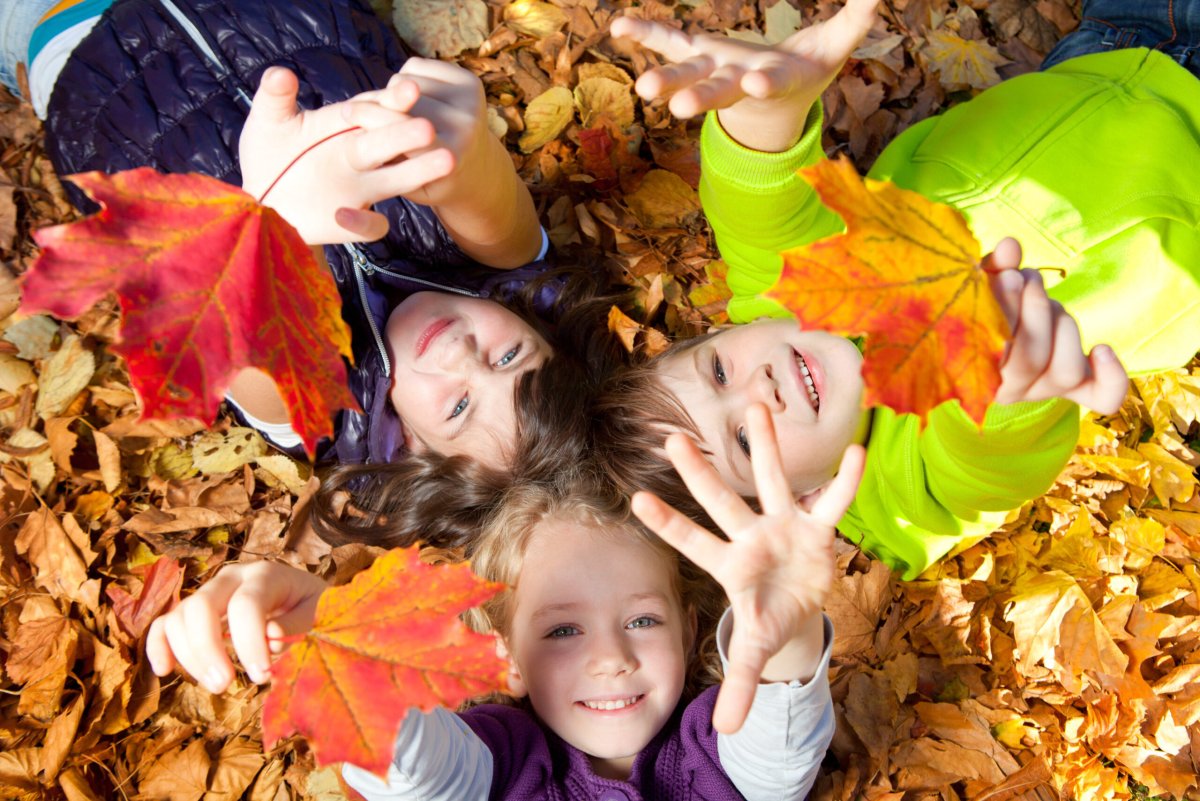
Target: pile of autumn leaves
(1059, 656)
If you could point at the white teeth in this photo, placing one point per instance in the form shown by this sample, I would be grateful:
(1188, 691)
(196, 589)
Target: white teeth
(608, 706)
(813, 397)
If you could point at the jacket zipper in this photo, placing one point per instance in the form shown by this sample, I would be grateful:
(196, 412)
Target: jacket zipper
(214, 61)
(363, 267)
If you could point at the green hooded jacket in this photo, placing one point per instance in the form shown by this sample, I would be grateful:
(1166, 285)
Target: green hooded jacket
(1094, 166)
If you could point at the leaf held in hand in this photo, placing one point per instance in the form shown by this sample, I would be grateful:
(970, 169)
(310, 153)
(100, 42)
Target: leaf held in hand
(389, 640)
(906, 274)
(209, 282)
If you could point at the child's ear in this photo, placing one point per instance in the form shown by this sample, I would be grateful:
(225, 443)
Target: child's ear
(516, 685)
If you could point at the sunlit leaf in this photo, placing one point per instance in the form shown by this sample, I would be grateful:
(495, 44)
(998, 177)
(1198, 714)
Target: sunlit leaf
(389, 640)
(906, 274)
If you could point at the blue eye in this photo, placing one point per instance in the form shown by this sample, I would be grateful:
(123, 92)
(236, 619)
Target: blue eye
(562, 632)
(643, 622)
(460, 408)
(742, 441)
(719, 370)
(507, 358)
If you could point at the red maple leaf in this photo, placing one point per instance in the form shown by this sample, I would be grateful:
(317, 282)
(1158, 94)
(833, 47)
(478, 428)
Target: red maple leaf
(906, 274)
(209, 281)
(389, 640)
(161, 586)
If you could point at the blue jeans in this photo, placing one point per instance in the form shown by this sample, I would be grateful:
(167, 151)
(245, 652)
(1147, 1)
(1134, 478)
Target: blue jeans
(18, 18)
(1172, 26)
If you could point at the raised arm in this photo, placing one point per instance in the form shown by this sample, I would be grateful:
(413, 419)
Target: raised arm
(472, 185)
(776, 568)
(762, 93)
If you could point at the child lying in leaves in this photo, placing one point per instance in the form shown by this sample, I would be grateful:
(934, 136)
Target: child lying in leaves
(600, 626)
(1092, 164)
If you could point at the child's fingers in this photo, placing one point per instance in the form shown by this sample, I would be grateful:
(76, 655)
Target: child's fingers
(725, 506)
(770, 481)
(196, 638)
(839, 494)
(1033, 337)
(275, 100)
(672, 78)
(435, 69)
(1068, 366)
(411, 174)
(371, 149)
(721, 89)
(671, 43)
(247, 615)
(158, 651)
(361, 225)
(1106, 391)
(1007, 286)
(842, 32)
(370, 114)
(771, 79)
(680, 532)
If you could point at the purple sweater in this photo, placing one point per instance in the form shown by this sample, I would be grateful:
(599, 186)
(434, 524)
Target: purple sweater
(531, 762)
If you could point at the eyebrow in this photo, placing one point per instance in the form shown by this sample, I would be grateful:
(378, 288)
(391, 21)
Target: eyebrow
(554, 609)
(702, 375)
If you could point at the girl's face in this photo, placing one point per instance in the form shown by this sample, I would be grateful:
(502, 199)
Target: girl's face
(456, 365)
(598, 639)
(809, 380)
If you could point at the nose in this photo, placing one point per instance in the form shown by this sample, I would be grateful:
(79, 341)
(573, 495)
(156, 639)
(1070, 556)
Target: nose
(456, 352)
(611, 655)
(761, 387)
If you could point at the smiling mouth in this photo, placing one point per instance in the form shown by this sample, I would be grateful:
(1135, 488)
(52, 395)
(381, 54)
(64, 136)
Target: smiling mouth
(428, 335)
(814, 399)
(612, 705)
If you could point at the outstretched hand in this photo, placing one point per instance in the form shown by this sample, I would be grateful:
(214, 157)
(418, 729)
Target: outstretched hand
(777, 567)
(326, 194)
(763, 92)
(1045, 357)
(258, 602)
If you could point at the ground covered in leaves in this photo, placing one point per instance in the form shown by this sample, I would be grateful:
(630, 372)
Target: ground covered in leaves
(1060, 657)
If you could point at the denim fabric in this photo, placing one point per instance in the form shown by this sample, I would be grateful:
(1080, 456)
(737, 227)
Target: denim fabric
(18, 18)
(1171, 26)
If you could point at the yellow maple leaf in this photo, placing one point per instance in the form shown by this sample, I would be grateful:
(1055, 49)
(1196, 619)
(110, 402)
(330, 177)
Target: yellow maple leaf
(961, 63)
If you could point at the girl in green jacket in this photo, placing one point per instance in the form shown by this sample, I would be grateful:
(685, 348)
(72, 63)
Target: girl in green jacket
(1092, 164)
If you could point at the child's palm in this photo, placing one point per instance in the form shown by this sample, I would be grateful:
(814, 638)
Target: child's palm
(754, 83)
(776, 568)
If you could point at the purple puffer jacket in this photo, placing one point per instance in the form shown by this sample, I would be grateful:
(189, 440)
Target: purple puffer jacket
(167, 84)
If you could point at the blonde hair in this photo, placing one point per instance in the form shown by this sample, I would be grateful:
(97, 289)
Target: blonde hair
(581, 496)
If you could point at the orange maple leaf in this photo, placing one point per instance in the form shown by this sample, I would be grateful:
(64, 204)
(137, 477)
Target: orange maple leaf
(387, 641)
(906, 274)
(209, 282)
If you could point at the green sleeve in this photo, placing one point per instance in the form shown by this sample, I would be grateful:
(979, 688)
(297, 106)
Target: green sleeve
(757, 207)
(926, 492)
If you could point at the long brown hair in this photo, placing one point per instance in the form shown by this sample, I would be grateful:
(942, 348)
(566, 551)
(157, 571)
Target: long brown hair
(443, 500)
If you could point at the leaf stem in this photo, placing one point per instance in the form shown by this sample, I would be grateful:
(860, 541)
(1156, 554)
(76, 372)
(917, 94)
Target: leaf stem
(1062, 273)
(301, 155)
